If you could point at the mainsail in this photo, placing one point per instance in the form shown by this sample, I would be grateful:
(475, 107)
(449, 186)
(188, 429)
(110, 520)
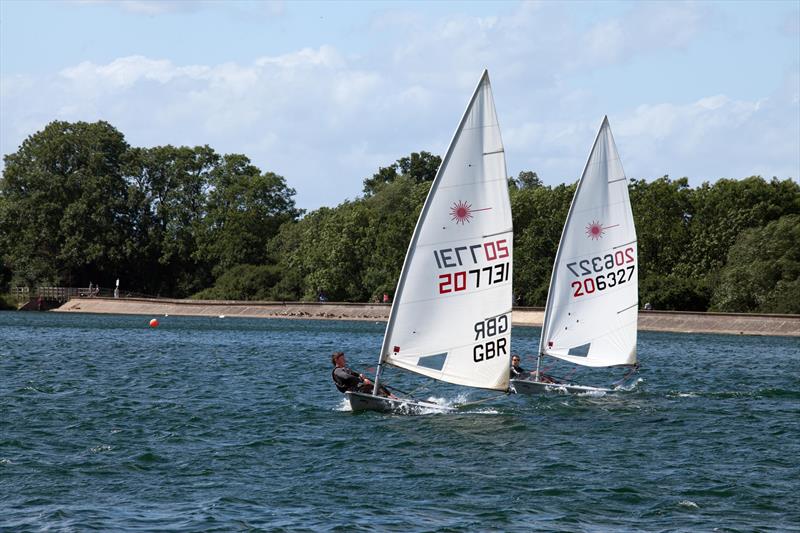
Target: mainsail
(451, 316)
(592, 304)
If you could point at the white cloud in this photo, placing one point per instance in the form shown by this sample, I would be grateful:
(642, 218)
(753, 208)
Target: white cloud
(308, 115)
(646, 27)
(666, 24)
(122, 72)
(152, 8)
(535, 46)
(351, 90)
(605, 42)
(326, 119)
(149, 7)
(692, 120)
(326, 56)
(710, 138)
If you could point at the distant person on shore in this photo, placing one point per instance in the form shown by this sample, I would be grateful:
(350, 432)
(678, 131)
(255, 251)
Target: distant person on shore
(348, 380)
(386, 297)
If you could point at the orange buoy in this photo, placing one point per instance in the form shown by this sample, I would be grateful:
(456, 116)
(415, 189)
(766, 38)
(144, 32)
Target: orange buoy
(154, 323)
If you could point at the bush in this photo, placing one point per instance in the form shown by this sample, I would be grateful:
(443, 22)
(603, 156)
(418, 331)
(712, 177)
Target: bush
(7, 302)
(243, 282)
(675, 292)
(762, 273)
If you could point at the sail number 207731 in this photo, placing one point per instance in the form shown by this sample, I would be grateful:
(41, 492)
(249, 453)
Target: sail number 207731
(610, 269)
(476, 256)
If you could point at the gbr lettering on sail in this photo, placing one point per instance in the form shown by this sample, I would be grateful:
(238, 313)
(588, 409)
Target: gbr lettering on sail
(472, 267)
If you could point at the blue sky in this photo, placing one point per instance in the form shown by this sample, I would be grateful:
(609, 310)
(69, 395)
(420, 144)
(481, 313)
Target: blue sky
(324, 93)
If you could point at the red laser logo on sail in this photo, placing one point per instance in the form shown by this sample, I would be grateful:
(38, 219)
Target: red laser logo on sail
(462, 212)
(595, 230)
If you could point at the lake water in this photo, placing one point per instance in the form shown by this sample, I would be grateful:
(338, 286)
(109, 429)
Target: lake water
(234, 424)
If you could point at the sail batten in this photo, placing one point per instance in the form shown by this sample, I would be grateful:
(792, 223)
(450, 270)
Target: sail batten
(454, 294)
(504, 232)
(596, 269)
(445, 187)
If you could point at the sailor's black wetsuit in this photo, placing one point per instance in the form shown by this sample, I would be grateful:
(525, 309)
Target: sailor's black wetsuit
(349, 380)
(517, 372)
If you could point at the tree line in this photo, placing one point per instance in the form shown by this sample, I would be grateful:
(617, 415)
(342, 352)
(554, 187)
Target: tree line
(80, 205)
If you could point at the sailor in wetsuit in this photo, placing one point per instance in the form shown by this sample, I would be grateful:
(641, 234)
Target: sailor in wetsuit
(516, 371)
(347, 380)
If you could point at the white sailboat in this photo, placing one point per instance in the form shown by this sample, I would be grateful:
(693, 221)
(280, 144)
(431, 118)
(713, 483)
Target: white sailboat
(592, 304)
(451, 315)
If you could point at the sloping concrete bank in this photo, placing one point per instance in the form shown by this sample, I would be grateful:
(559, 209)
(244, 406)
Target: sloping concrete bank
(734, 323)
(682, 322)
(162, 306)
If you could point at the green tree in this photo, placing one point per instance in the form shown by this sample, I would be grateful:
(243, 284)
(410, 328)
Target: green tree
(168, 188)
(763, 270)
(674, 292)
(539, 213)
(326, 252)
(336, 259)
(5, 269)
(353, 252)
(662, 213)
(419, 167)
(722, 211)
(525, 180)
(245, 210)
(284, 251)
(63, 214)
(393, 214)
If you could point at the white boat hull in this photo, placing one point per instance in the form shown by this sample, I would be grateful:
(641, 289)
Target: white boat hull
(360, 401)
(522, 386)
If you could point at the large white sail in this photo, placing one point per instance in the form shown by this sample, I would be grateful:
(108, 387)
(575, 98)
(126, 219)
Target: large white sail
(592, 304)
(451, 317)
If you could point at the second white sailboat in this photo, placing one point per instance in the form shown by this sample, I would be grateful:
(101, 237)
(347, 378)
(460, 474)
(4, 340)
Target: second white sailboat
(592, 304)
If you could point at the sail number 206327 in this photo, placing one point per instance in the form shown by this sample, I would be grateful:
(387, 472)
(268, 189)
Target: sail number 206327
(476, 256)
(610, 269)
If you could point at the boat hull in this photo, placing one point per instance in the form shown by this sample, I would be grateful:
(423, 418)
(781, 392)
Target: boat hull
(360, 401)
(522, 386)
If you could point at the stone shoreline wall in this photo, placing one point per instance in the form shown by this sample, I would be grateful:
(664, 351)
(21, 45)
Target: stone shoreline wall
(673, 321)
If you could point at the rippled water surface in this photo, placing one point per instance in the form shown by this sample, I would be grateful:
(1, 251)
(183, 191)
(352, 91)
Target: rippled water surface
(234, 424)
